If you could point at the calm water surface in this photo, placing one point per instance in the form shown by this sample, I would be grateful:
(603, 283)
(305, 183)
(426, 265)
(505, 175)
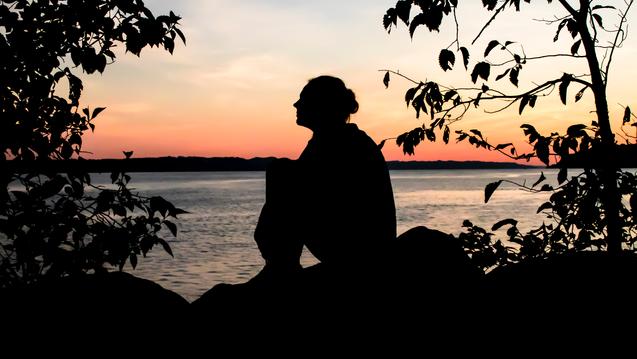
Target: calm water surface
(215, 242)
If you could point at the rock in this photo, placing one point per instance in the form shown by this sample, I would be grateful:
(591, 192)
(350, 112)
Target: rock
(108, 301)
(423, 268)
(571, 293)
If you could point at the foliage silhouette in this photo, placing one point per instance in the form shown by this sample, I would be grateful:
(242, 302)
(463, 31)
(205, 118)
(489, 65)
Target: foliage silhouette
(586, 210)
(55, 224)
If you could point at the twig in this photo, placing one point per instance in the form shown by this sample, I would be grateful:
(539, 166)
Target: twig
(401, 75)
(540, 57)
(619, 31)
(490, 21)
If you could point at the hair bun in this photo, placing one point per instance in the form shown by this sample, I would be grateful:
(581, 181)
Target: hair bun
(352, 103)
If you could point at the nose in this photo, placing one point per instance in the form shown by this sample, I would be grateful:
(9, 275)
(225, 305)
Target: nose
(297, 103)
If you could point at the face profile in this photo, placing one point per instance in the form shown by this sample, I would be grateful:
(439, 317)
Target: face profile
(325, 103)
(305, 110)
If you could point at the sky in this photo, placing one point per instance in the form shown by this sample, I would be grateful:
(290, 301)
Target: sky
(229, 91)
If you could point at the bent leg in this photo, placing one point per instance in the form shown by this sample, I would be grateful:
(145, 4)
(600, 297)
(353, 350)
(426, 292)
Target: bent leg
(277, 232)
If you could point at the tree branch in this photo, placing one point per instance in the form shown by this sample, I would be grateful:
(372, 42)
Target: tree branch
(569, 8)
(540, 57)
(490, 21)
(615, 42)
(455, 18)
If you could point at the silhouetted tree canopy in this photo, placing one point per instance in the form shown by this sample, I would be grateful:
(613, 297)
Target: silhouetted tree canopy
(585, 211)
(56, 224)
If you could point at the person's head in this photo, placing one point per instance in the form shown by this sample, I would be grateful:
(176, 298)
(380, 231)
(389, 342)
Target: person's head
(325, 102)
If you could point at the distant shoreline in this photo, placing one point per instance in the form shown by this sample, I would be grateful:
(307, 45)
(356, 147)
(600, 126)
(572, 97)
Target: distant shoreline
(218, 164)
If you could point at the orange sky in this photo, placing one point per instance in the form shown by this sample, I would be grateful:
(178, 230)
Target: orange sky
(230, 91)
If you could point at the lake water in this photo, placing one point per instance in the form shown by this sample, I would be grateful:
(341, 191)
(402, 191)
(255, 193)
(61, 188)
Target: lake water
(215, 244)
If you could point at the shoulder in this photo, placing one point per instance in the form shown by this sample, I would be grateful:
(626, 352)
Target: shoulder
(361, 138)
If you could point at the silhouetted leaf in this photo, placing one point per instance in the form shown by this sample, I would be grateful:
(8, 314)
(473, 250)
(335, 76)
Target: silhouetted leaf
(482, 69)
(530, 131)
(403, 7)
(476, 101)
(546, 188)
(166, 246)
(489, 189)
(572, 27)
(523, 102)
(433, 17)
(381, 144)
(386, 79)
(445, 136)
(172, 227)
(476, 132)
(449, 94)
(174, 211)
(626, 118)
(417, 21)
(575, 47)
(418, 103)
(409, 95)
(503, 146)
(119, 210)
(559, 29)
(133, 260)
(489, 4)
(545, 206)
(181, 35)
(492, 44)
(66, 151)
(596, 7)
(580, 93)
(389, 19)
(576, 130)
(540, 180)
(566, 80)
(598, 19)
(75, 139)
(513, 76)
(542, 150)
(465, 57)
(504, 222)
(562, 175)
(50, 188)
(97, 111)
(502, 75)
(532, 100)
(446, 59)
(431, 135)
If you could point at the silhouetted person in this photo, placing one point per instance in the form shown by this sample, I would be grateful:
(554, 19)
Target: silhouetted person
(336, 199)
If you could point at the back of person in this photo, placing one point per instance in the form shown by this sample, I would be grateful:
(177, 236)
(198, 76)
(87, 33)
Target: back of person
(351, 214)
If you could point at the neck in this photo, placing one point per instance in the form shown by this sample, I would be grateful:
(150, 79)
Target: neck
(328, 129)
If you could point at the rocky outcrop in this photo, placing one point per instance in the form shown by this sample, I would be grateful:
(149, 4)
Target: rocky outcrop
(110, 301)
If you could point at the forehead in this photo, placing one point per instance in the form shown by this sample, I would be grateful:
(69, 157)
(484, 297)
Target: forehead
(306, 95)
(310, 91)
